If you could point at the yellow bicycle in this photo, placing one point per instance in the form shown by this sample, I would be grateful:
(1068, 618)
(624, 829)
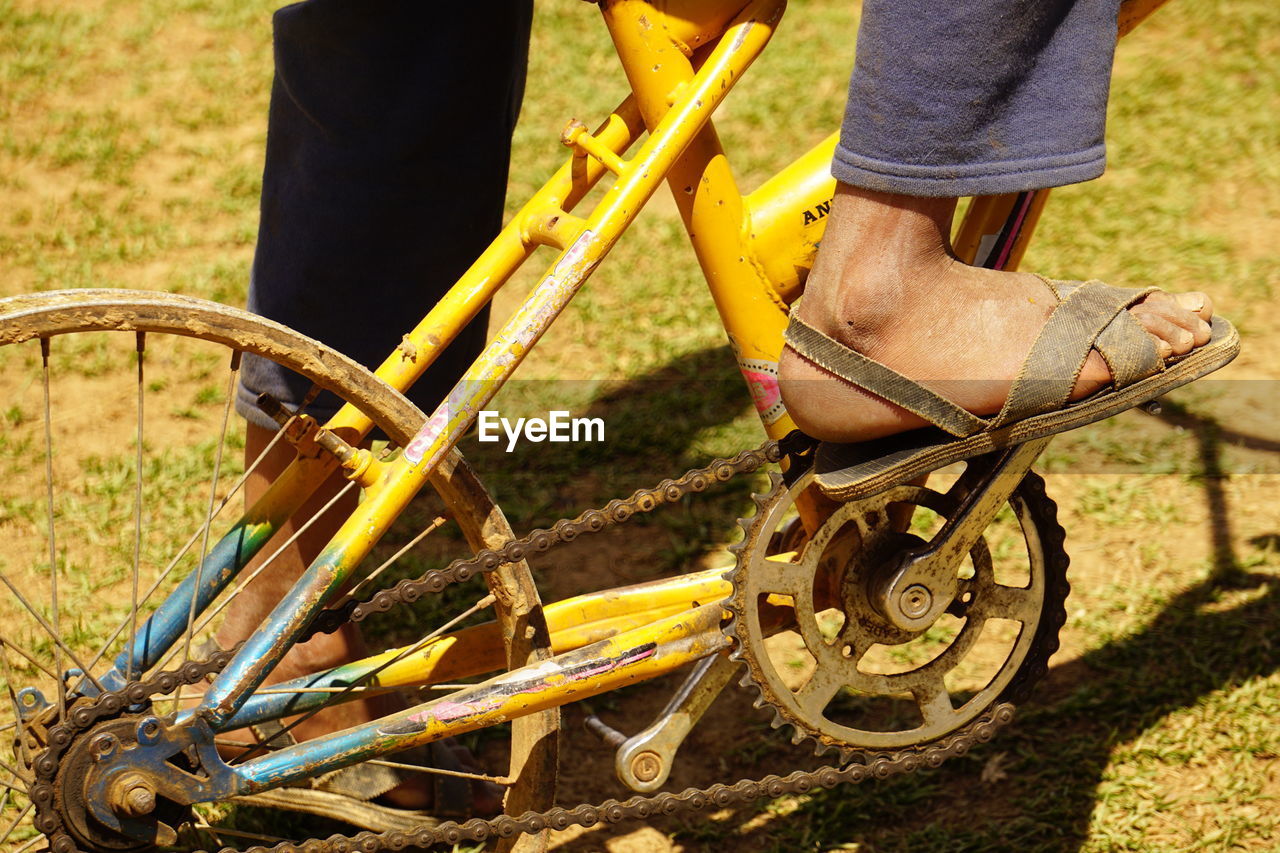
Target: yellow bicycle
(884, 630)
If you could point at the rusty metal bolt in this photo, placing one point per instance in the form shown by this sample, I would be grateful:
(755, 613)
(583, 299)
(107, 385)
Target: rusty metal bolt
(132, 796)
(148, 730)
(103, 746)
(915, 601)
(646, 766)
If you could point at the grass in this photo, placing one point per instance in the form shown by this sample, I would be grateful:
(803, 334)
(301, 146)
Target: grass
(131, 140)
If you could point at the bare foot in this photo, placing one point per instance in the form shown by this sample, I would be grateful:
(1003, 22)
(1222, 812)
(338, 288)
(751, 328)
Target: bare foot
(886, 284)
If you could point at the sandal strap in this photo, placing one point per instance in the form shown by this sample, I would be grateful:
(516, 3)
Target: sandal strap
(879, 379)
(1091, 315)
(1130, 352)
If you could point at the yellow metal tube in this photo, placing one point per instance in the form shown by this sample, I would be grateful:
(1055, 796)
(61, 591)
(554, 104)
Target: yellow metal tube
(753, 312)
(572, 624)
(985, 219)
(552, 228)
(786, 217)
(491, 270)
(576, 136)
(620, 205)
(626, 659)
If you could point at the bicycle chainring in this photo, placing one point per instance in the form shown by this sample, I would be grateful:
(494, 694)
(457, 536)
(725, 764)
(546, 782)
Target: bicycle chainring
(849, 680)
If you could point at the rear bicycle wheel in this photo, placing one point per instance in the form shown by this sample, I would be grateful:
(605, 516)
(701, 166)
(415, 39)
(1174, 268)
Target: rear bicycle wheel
(124, 464)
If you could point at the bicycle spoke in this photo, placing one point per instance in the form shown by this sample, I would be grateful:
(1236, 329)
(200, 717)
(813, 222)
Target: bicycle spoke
(347, 689)
(22, 753)
(381, 762)
(203, 826)
(235, 833)
(275, 554)
(52, 634)
(12, 771)
(17, 820)
(440, 771)
(293, 691)
(30, 845)
(4, 642)
(261, 567)
(435, 525)
(182, 552)
(53, 548)
(213, 495)
(475, 608)
(137, 516)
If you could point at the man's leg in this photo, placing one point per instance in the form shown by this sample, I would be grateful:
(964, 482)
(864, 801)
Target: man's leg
(948, 100)
(371, 208)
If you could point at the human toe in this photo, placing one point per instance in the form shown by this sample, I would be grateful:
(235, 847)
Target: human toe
(1189, 322)
(1171, 339)
(1159, 311)
(1197, 303)
(1199, 311)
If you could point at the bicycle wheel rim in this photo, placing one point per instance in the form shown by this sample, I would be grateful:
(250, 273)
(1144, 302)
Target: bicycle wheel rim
(34, 325)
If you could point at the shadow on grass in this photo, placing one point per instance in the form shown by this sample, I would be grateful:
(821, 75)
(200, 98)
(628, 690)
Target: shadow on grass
(1213, 637)
(655, 426)
(1210, 437)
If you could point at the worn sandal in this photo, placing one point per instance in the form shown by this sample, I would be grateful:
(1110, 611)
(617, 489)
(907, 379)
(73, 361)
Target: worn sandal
(1090, 315)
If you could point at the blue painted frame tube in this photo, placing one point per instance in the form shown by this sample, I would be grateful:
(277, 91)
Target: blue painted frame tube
(262, 707)
(169, 621)
(282, 628)
(625, 659)
(231, 553)
(317, 586)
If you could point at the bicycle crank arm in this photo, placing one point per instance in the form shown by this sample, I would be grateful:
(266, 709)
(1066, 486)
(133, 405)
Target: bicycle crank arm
(922, 585)
(644, 761)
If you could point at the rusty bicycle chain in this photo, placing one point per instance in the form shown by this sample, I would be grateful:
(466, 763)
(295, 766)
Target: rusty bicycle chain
(617, 511)
(875, 765)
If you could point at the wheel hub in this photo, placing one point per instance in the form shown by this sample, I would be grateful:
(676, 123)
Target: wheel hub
(132, 816)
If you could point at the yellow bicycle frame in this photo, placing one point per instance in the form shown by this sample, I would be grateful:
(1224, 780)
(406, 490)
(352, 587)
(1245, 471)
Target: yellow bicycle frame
(681, 58)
